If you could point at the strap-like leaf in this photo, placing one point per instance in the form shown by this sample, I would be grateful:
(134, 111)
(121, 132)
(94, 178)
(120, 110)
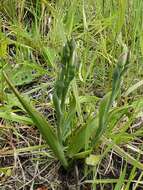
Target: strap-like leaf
(41, 123)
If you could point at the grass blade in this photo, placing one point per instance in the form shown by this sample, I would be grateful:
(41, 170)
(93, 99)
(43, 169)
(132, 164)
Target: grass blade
(124, 154)
(121, 180)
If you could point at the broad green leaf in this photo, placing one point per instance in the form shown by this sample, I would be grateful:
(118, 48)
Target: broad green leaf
(81, 137)
(26, 73)
(41, 123)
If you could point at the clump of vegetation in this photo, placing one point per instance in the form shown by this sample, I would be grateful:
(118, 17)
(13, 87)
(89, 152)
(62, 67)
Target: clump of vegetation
(74, 70)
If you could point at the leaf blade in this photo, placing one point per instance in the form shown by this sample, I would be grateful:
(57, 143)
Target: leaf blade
(41, 123)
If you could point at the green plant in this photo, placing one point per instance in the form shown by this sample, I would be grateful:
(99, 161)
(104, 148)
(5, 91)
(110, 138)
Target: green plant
(67, 142)
(96, 113)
